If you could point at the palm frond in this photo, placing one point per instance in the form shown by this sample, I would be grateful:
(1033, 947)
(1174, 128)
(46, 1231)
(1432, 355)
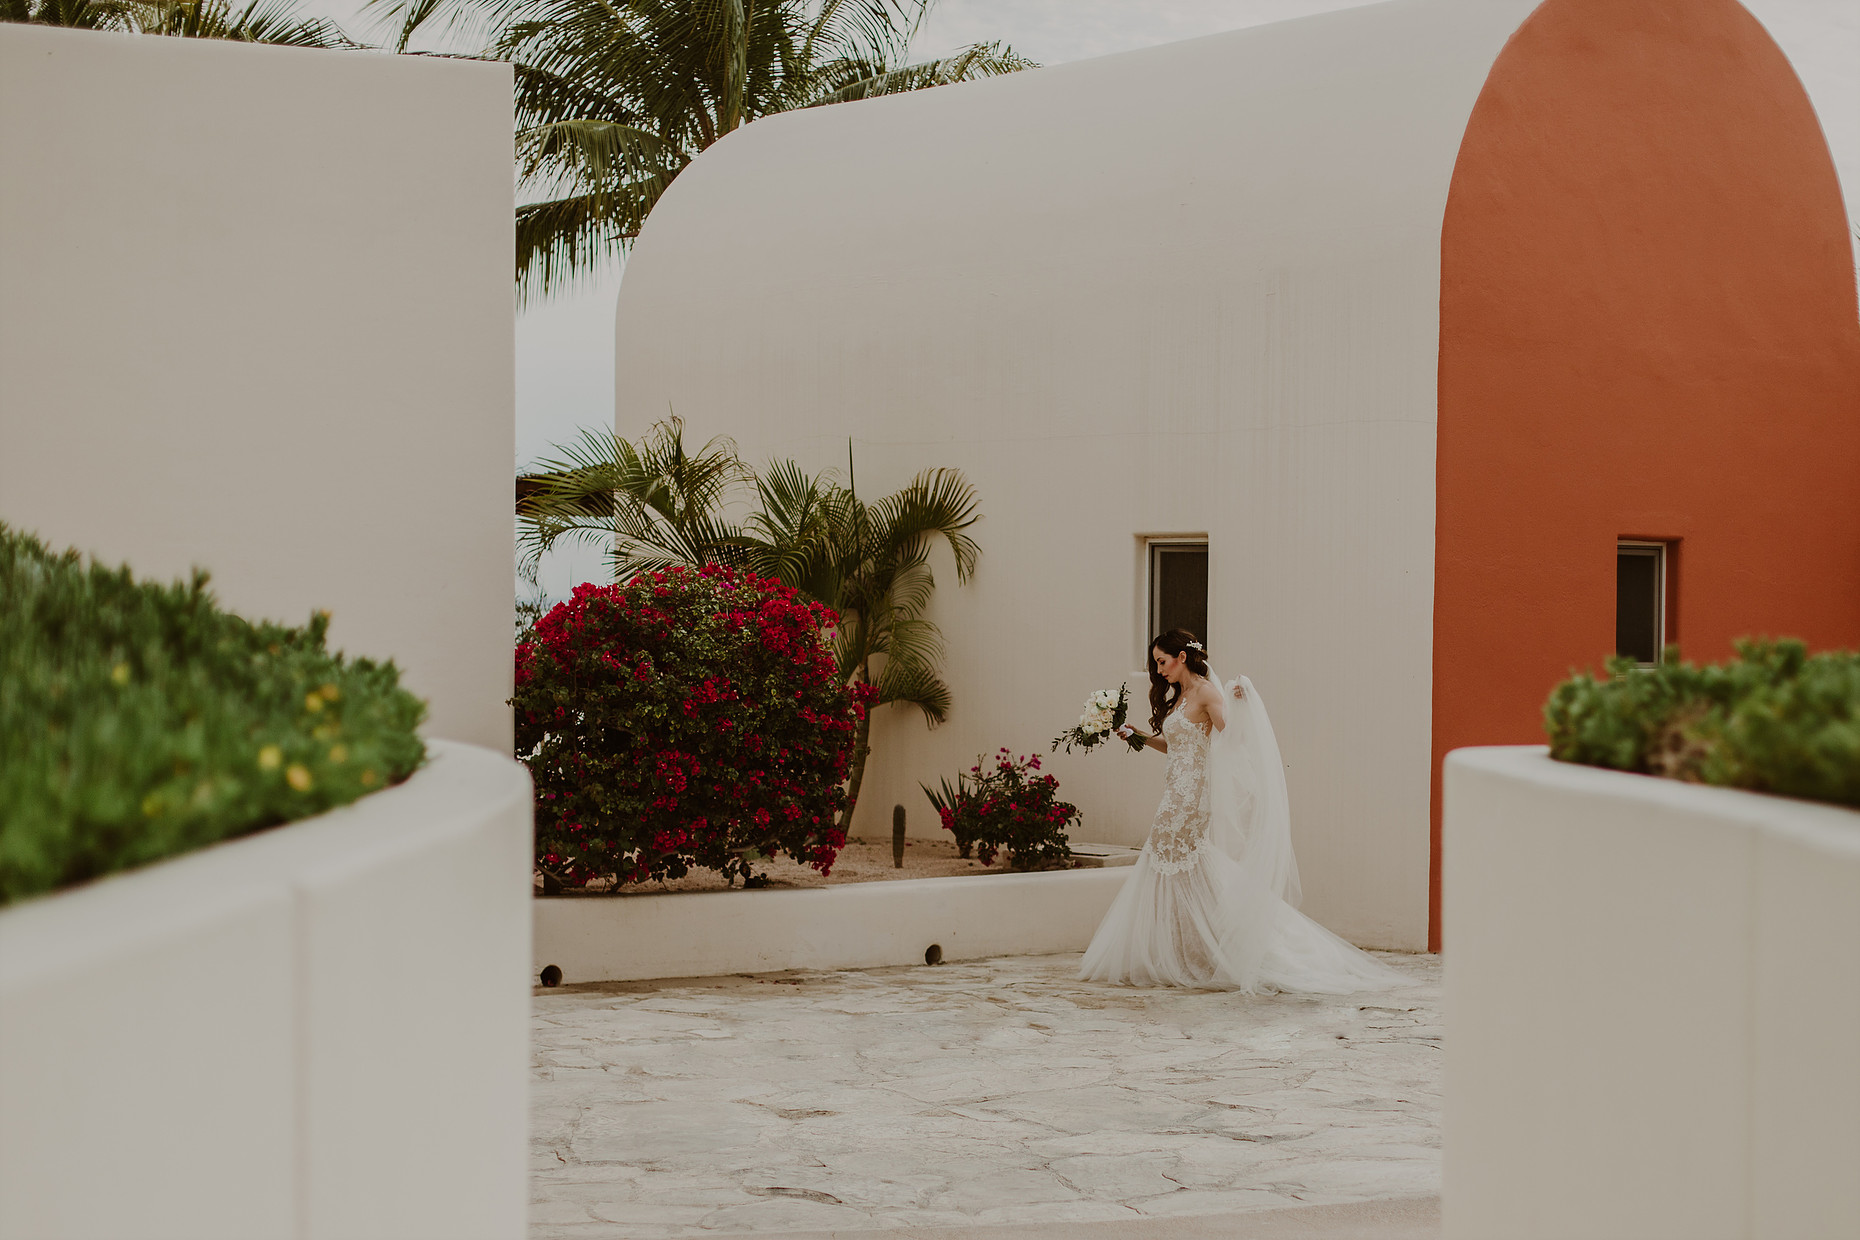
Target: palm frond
(792, 533)
(847, 80)
(73, 14)
(877, 31)
(562, 241)
(913, 640)
(471, 21)
(590, 156)
(654, 503)
(658, 471)
(261, 21)
(542, 96)
(907, 582)
(914, 685)
(643, 60)
(937, 503)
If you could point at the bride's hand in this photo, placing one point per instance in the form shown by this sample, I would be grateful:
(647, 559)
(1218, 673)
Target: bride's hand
(1239, 690)
(1125, 732)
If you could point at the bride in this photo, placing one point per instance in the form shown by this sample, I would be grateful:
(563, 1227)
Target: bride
(1211, 902)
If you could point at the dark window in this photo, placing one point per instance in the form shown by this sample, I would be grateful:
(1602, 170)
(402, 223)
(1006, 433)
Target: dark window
(1640, 601)
(1179, 587)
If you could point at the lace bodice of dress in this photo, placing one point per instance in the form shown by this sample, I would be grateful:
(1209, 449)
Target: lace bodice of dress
(1181, 827)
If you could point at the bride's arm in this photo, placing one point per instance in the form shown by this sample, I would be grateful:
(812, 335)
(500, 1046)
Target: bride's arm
(1216, 706)
(1149, 742)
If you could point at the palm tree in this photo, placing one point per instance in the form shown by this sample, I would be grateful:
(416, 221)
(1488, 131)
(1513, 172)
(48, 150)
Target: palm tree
(615, 97)
(261, 21)
(655, 504)
(871, 564)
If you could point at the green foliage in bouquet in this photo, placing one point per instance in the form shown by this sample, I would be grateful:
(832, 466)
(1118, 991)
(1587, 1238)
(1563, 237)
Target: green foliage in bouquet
(1773, 719)
(1104, 713)
(687, 718)
(1007, 808)
(138, 720)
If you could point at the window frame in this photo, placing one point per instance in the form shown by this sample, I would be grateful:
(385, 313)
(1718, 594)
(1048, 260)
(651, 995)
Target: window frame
(1662, 553)
(1148, 600)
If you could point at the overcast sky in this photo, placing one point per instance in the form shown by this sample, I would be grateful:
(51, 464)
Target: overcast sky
(565, 346)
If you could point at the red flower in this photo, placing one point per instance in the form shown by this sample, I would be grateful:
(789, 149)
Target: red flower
(649, 774)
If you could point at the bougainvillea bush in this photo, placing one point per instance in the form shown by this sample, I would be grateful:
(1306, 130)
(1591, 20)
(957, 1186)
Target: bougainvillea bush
(1774, 719)
(138, 720)
(1009, 808)
(686, 718)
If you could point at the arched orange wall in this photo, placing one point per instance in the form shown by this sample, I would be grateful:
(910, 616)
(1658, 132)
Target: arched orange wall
(1647, 329)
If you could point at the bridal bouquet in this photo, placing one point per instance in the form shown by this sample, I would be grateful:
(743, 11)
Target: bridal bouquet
(1105, 712)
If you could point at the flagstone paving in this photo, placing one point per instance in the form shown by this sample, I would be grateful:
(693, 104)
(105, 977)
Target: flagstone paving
(978, 1093)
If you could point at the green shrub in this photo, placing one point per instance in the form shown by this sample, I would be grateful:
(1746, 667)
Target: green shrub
(1007, 808)
(1774, 719)
(139, 720)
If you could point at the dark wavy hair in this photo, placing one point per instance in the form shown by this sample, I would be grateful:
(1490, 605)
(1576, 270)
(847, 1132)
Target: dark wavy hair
(1163, 695)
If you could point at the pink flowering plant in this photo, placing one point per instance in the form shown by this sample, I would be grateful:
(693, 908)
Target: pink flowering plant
(1009, 807)
(688, 718)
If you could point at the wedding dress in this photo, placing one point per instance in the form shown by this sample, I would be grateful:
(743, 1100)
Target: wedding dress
(1211, 902)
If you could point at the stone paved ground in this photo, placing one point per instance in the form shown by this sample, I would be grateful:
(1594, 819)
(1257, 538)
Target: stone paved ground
(988, 1092)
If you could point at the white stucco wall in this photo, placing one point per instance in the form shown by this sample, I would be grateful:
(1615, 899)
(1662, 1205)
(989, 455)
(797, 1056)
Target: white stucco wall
(1190, 289)
(1650, 1002)
(319, 1032)
(256, 315)
(846, 926)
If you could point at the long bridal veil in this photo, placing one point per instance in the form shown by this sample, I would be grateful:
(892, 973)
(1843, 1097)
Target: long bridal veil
(1268, 943)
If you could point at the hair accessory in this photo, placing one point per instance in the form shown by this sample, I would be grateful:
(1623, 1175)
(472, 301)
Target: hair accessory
(1196, 646)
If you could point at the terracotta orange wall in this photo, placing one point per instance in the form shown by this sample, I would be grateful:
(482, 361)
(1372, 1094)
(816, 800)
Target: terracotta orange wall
(1648, 329)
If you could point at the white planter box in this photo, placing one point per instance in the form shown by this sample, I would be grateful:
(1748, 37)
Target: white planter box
(1652, 1006)
(849, 926)
(317, 1031)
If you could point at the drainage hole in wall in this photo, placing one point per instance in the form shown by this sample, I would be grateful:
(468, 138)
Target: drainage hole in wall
(551, 976)
(933, 954)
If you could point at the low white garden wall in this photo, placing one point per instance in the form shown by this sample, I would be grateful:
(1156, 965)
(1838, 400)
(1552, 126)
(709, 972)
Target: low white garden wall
(1652, 1006)
(317, 1031)
(847, 926)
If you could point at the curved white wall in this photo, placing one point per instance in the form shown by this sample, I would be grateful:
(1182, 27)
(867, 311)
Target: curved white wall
(318, 1032)
(1191, 289)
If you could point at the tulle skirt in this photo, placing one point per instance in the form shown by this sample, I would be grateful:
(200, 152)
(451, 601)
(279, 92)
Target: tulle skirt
(1210, 928)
